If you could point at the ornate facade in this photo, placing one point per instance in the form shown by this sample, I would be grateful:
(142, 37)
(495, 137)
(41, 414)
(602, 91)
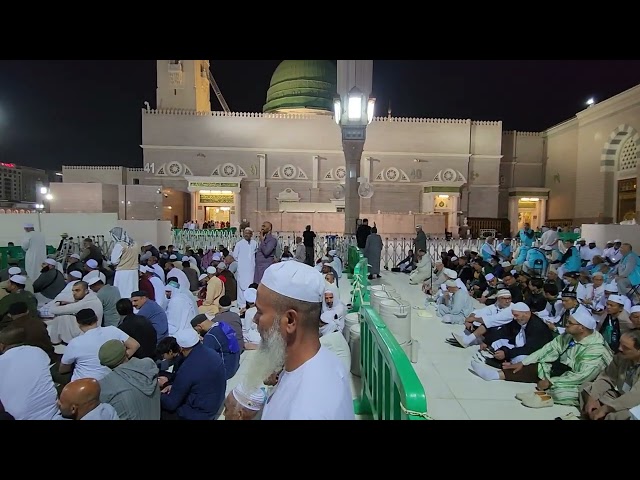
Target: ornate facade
(212, 165)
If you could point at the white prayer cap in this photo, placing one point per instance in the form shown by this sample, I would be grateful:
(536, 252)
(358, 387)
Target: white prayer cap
(591, 241)
(19, 279)
(170, 288)
(443, 287)
(142, 269)
(450, 273)
(28, 225)
(635, 309)
(295, 280)
(616, 299)
(15, 271)
(75, 274)
(75, 255)
(222, 266)
(327, 264)
(609, 241)
(250, 295)
(94, 280)
(50, 261)
(581, 239)
(439, 261)
(546, 247)
(617, 241)
(520, 307)
(248, 229)
(326, 259)
(453, 259)
(332, 252)
(187, 338)
(217, 256)
(597, 274)
(285, 259)
(504, 293)
(92, 263)
(505, 264)
(202, 277)
(451, 283)
(173, 257)
(147, 244)
(513, 272)
(489, 277)
(611, 287)
(251, 400)
(584, 318)
(211, 270)
(327, 317)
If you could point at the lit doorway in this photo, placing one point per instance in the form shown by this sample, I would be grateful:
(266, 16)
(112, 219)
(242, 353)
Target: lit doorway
(529, 212)
(626, 199)
(217, 214)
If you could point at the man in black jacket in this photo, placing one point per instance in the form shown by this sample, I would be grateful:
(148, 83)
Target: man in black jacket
(526, 334)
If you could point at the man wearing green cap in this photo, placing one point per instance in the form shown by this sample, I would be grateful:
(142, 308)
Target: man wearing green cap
(132, 386)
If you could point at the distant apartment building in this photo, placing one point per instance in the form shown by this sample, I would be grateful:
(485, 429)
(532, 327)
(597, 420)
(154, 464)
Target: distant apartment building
(20, 186)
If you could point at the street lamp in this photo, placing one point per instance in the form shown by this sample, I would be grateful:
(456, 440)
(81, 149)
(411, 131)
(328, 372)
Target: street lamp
(353, 111)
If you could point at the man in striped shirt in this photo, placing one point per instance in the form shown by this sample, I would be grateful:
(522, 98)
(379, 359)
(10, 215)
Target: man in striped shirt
(560, 367)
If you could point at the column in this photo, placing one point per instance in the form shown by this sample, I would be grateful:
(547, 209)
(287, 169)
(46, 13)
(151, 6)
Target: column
(513, 213)
(262, 190)
(236, 218)
(542, 213)
(427, 203)
(262, 169)
(453, 215)
(314, 194)
(352, 154)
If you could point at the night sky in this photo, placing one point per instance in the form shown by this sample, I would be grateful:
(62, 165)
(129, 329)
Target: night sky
(88, 112)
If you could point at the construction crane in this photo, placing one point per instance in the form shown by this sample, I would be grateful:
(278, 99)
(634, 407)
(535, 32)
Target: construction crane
(216, 90)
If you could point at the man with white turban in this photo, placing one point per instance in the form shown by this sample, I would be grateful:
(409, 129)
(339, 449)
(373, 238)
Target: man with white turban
(560, 367)
(125, 257)
(335, 307)
(314, 384)
(180, 310)
(35, 246)
(456, 304)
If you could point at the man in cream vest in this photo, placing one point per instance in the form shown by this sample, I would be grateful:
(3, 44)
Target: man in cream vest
(125, 259)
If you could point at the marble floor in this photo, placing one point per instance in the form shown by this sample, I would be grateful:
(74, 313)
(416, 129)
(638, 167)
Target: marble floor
(453, 392)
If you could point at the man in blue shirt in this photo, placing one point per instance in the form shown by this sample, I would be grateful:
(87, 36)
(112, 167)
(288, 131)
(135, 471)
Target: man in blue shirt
(221, 338)
(199, 387)
(152, 312)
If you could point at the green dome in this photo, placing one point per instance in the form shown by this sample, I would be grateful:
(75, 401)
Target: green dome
(299, 86)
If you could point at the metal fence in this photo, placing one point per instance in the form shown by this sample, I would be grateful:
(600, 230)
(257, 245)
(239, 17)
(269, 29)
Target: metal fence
(394, 248)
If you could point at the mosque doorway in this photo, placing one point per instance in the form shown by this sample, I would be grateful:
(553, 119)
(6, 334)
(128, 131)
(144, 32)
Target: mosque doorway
(627, 199)
(217, 214)
(529, 212)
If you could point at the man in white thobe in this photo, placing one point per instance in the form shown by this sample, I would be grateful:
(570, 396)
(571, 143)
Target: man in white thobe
(125, 258)
(457, 304)
(245, 254)
(334, 307)
(180, 310)
(35, 247)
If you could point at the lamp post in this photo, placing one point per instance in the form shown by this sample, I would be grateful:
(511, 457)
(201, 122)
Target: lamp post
(353, 111)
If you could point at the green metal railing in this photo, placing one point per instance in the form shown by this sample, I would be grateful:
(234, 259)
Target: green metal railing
(17, 253)
(391, 390)
(353, 257)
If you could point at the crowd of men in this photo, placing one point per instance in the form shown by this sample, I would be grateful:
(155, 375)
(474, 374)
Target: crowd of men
(564, 315)
(148, 333)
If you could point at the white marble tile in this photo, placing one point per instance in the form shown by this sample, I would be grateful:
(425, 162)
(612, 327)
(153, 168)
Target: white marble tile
(434, 385)
(511, 410)
(441, 409)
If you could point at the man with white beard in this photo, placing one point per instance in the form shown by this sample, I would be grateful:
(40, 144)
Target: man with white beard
(314, 384)
(245, 254)
(125, 259)
(180, 310)
(36, 247)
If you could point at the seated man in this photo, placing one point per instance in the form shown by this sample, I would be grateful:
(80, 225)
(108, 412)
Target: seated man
(405, 265)
(457, 304)
(169, 360)
(477, 324)
(617, 389)
(332, 338)
(49, 283)
(334, 306)
(17, 293)
(560, 367)
(198, 389)
(64, 327)
(80, 400)
(512, 342)
(423, 269)
(221, 338)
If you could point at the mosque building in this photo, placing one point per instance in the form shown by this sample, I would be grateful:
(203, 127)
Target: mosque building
(286, 163)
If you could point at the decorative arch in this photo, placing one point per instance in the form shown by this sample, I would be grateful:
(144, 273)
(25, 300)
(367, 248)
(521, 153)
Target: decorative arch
(610, 159)
(289, 172)
(228, 170)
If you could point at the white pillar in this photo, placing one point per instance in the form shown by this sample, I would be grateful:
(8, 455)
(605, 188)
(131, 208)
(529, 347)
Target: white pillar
(542, 214)
(427, 203)
(235, 218)
(315, 171)
(453, 216)
(262, 158)
(513, 213)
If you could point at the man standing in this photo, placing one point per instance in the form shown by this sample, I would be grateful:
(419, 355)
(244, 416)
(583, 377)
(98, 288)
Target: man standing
(245, 254)
(314, 384)
(35, 247)
(266, 251)
(308, 238)
(125, 257)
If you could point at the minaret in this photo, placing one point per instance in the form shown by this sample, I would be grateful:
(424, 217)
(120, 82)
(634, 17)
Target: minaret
(183, 85)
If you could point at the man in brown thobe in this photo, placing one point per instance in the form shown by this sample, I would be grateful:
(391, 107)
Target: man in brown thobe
(617, 389)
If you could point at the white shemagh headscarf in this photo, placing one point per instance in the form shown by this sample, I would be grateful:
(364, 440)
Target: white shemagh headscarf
(120, 236)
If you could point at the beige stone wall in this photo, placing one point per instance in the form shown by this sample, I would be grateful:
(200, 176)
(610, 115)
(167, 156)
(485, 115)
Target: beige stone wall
(561, 152)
